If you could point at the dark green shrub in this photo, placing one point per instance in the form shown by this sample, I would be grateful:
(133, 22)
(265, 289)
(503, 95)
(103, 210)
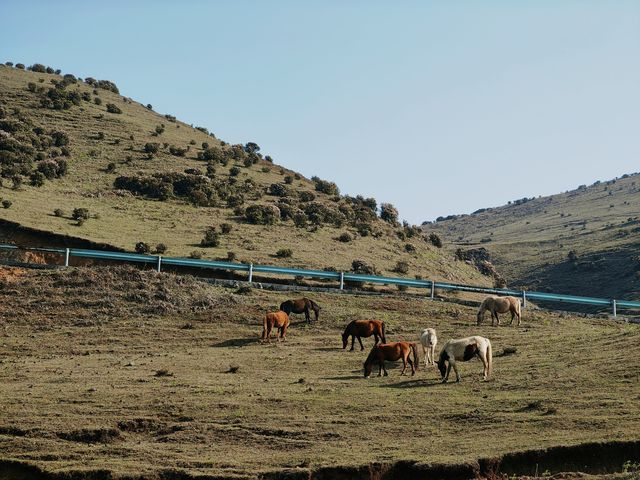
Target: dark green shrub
(177, 151)
(211, 238)
(80, 213)
(17, 182)
(388, 213)
(409, 248)
(231, 256)
(288, 179)
(159, 130)
(32, 87)
(97, 101)
(251, 147)
(345, 237)
(435, 240)
(196, 254)
(151, 148)
(226, 228)
(205, 145)
(111, 167)
(278, 190)
(36, 179)
(268, 159)
(299, 219)
(199, 198)
(325, 186)
(234, 171)
(361, 267)
(112, 108)
(262, 214)
(149, 106)
(142, 248)
(60, 139)
(58, 212)
(306, 196)
(20, 66)
(284, 253)
(235, 201)
(161, 248)
(6, 203)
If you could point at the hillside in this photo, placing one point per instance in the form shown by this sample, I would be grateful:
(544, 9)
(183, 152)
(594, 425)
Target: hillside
(585, 241)
(122, 373)
(81, 160)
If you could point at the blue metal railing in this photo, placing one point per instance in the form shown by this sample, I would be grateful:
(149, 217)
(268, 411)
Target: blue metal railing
(158, 261)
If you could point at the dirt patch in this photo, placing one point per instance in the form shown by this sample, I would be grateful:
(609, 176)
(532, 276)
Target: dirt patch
(91, 435)
(10, 275)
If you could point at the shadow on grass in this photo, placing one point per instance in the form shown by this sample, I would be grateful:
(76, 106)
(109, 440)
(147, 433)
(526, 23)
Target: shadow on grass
(413, 383)
(345, 377)
(327, 349)
(236, 342)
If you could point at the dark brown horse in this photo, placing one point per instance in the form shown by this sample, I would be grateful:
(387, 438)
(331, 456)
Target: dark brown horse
(392, 351)
(299, 306)
(363, 328)
(280, 320)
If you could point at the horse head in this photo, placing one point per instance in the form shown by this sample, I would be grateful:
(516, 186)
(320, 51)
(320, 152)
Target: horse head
(480, 316)
(368, 366)
(345, 340)
(442, 367)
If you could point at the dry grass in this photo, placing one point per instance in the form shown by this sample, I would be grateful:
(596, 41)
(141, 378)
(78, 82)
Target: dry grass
(95, 374)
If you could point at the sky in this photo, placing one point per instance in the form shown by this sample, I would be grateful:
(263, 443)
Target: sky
(436, 107)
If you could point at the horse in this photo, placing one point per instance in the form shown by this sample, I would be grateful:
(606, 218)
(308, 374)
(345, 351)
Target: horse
(465, 349)
(280, 320)
(428, 339)
(392, 351)
(498, 305)
(363, 328)
(301, 305)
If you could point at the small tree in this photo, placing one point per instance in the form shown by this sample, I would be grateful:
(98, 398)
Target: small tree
(112, 108)
(435, 240)
(37, 179)
(151, 148)
(226, 228)
(234, 171)
(211, 238)
(401, 267)
(161, 247)
(6, 203)
(345, 237)
(388, 213)
(80, 214)
(58, 212)
(284, 253)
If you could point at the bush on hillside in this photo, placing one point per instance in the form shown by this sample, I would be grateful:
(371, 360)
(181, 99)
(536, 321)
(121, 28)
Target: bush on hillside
(211, 238)
(388, 213)
(284, 253)
(142, 248)
(113, 108)
(80, 213)
(435, 240)
(262, 214)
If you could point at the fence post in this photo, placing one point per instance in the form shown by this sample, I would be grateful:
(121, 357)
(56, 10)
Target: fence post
(433, 289)
(614, 307)
(67, 252)
(341, 280)
(158, 265)
(524, 299)
(250, 272)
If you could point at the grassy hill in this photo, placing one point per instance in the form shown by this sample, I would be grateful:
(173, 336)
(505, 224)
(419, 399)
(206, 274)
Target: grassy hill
(131, 374)
(585, 241)
(133, 175)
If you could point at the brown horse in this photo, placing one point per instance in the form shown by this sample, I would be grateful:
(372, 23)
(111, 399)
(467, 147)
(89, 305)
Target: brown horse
(363, 328)
(280, 320)
(498, 305)
(392, 351)
(299, 306)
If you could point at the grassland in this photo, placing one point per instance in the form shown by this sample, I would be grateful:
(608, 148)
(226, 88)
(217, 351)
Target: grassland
(530, 242)
(140, 373)
(99, 138)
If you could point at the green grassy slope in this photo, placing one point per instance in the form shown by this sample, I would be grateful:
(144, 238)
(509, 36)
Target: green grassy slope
(114, 370)
(120, 218)
(530, 242)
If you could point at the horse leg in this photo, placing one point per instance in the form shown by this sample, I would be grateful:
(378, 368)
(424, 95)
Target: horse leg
(380, 367)
(485, 367)
(433, 354)
(497, 317)
(455, 369)
(360, 342)
(307, 316)
(353, 339)
(446, 376)
(413, 367)
(375, 336)
(386, 374)
(426, 355)
(404, 363)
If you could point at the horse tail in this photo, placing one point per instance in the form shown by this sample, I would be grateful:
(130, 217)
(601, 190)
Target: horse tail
(489, 357)
(416, 363)
(316, 308)
(384, 338)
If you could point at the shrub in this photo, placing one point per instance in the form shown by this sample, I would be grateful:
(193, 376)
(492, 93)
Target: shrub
(36, 179)
(299, 219)
(112, 108)
(359, 266)
(211, 238)
(111, 167)
(402, 288)
(161, 248)
(388, 213)
(231, 256)
(20, 66)
(288, 179)
(226, 228)
(6, 203)
(401, 267)
(177, 151)
(205, 145)
(325, 186)
(435, 240)
(572, 256)
(151, 148)
(234, 171)
(32, 87)
(196, 254)
(142, 247)
(278, 190)
(409, 248)
(235, 200)
(97, 101)
(345, 237)
(58, 212)
(80, 213)
(306, 196)
(17, 182)
(262, 214)
(284, 253)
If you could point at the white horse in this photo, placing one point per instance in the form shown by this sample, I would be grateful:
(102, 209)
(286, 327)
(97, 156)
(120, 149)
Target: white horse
(428, 339)
(465, 349)
(498, 305)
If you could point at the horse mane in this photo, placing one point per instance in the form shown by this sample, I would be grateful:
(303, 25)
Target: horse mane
(346, 329)
(371, 356)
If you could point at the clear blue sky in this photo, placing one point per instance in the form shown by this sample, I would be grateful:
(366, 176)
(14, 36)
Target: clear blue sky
(437, 107)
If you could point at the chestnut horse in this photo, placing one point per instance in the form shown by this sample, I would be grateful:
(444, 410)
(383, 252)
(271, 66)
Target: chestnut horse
(392, 351)
(301, 305)
(363, 328)
(498, 305)
(465, 349)
(280, 320)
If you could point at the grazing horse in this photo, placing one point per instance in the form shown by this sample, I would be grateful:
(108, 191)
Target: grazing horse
(498, 305)
(363, 328)
(301, 305)
(428, 339)
(465, 349)
(392, 351)
(280, 320)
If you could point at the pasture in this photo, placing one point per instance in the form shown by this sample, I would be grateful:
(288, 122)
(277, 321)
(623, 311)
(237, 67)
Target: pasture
(140, 373)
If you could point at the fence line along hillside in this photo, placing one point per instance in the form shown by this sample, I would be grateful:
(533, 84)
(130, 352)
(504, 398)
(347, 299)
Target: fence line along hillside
(158, 261)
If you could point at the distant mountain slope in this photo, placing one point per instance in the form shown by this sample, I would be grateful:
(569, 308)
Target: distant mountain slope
(585, 241)
(68, 144)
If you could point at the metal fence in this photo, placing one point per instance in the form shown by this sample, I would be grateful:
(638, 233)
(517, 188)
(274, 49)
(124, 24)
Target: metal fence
(158, 261)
